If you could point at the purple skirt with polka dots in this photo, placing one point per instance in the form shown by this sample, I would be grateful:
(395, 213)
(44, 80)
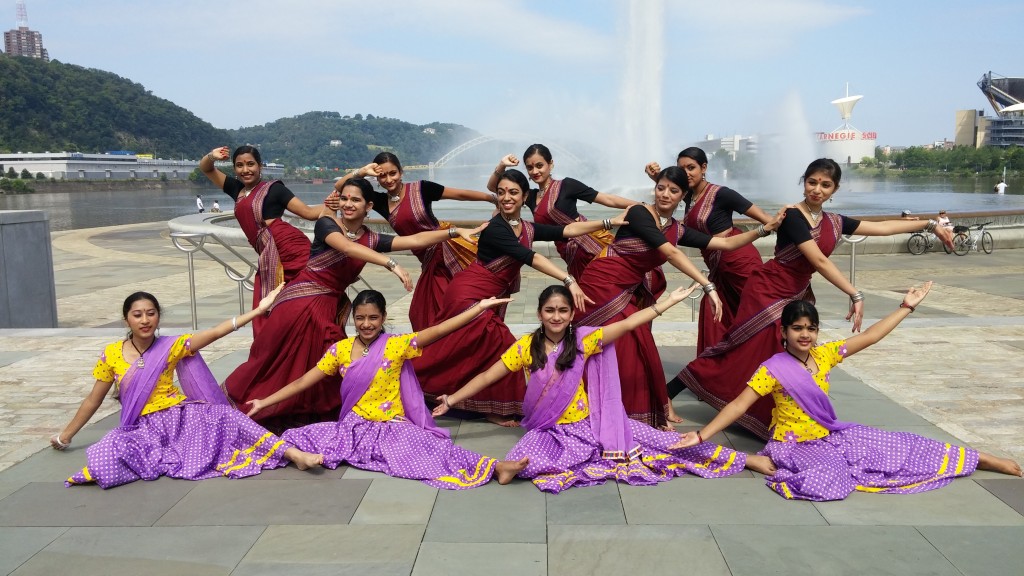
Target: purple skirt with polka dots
(865, 459)
(568, 455)
(190, 441)
(397, 448)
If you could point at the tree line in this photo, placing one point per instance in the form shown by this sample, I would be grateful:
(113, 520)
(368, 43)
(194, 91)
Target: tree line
(963, 161)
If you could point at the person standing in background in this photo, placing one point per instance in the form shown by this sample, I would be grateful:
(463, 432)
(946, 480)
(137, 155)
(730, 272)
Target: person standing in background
(199, 204)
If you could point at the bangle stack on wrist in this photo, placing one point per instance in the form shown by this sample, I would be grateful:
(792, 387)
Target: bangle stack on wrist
(607, 223)
(569, 281)
(453, 232)
(930, 226)
(391, 264)
(709, 287)
(858, 296)
(763, 232)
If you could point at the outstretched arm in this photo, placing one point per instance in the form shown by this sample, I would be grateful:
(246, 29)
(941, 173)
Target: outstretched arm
(497, 371)
(732, 411)
(371, 169)
(543, 265)
(85, 412)
(758, 214)
(740, 240)
(613, 331)
(426, 239)
(352, 249)
(580, 228)
(883, 327)
(462, 194)
(428, 335)
(613, 201)
(890, 227)
(314, 375)
(680, 262)
(203, 338)
(209, 170)
(305, 211)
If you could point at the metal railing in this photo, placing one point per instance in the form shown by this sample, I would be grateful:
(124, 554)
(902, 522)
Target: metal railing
(192, 242)
(854, 240)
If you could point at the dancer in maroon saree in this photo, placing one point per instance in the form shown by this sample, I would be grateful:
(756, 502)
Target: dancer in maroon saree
(259, 206)
(554, 202)
(309, 315)
(504, 247)
(709, 208)
(806, 239)
(407, 206)
(615, 281)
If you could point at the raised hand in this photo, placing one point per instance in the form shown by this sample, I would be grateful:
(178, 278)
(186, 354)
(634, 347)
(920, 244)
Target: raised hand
(915, 295)
(653, 169)
(509, 161)
(268, 300)
(221, 153)
(775, 222)
(333, 201)
(680, 293)
(371, 169)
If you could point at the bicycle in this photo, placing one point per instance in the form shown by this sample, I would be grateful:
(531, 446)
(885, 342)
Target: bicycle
(919, 243)
(981, 239)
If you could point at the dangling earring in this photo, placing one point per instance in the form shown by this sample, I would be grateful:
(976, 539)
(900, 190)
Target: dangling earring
(829, 200)
(129, 334)
(704, 176)
(784, 345)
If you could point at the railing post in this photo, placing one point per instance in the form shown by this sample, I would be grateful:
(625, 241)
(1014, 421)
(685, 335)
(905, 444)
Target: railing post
(195, 243)
(854, 240)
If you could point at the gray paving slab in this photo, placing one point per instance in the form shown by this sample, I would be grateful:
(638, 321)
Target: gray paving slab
(514, 513)
(833, 550)
(594, 505)
(1009, 490)
(49, 465)
(170, 551)
(872, 412)
(1015, 343)
(690, 500)
(979, 550)
(333, 550)
(675, 358)
(225, 365)
(509, 559)
(12, 357)
(51, 504)
(585, 550)
(396, 501)
(962, 503)
(8, 488)
(17, 545)
(487, 439)
(240, 503)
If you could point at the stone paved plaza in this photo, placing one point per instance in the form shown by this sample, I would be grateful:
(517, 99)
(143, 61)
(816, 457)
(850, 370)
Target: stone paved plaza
(952, 371)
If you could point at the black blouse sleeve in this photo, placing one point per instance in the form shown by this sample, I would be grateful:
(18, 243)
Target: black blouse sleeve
(794, 229)
(384, 242)
(276, 201)
(572, 188)
(380, 203)
(498, 240)
(548, 233)
(232, 187)
(431, 191)
(694, 238)
(642, 225)
(849, 225)
(323, 227)
(732, 201)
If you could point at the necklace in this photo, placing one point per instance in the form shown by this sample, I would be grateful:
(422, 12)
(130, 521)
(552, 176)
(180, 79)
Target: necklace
(512, 221)
(366, 347)
(349, 235)
(396, 197)
(804, 362)
(814, 215)
(140, 362)
(554, 345)
(662, 220)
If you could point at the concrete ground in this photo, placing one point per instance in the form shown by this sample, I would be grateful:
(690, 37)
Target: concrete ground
(952, 371)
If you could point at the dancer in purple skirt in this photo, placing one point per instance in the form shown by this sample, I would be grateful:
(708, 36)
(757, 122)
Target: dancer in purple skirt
(384, 424)
(820, 458)
(577, 431)
(190, 430)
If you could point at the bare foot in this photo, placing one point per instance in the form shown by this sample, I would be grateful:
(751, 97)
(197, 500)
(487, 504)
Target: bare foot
(669, 427)
(671, 415)
(504, 421)
(996, 464)
(762, 464)
(304, 460)
(507, 469)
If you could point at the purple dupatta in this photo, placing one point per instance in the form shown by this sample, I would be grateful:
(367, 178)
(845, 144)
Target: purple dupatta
(194, 377)
(799, 384)
(359, 375)
(551, 391)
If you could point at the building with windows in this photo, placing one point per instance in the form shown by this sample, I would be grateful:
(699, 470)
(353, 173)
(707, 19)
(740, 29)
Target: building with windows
(120, 165)
(1006, 128)
(22, 41)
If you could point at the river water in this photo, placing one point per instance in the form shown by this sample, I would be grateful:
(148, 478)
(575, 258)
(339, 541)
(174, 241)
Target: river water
(923, 196)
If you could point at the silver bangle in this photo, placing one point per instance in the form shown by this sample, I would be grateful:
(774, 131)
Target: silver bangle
(569, 281)
(60, 442)
(763, 232)
(930, 226)
(858, 296)
(391, 264)
(709, 287)
(607, 223)
(234, 323)
(453, 232)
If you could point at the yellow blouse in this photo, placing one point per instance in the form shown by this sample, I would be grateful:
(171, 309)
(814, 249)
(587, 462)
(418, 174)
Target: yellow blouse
(792, 424)
(382, 400)
(518, 357)
(111, 368)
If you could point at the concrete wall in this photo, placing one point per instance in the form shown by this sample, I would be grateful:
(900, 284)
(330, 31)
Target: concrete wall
(28, 297)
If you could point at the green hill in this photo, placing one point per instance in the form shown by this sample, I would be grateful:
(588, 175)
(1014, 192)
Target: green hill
(55, 106)
(330, 140)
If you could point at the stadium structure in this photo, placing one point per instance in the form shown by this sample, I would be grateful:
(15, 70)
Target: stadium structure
(847, 144)
(1006, 128)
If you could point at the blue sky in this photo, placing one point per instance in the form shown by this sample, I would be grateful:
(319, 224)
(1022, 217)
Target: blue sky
(547, 67)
